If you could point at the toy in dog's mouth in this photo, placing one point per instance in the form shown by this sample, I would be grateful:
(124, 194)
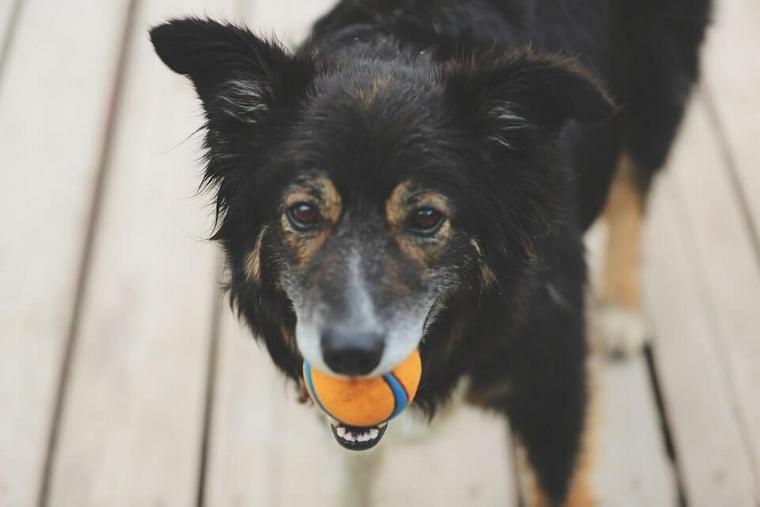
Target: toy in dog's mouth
(355, 438)
(359, 408)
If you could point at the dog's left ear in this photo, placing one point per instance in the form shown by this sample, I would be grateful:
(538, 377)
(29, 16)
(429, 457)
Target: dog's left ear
(237, 75)
(515, 100)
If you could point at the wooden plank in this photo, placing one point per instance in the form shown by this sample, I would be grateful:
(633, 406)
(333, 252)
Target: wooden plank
(245, 435)
(7, 8)
(466, 460)
(54, 106)
(711, 449)
(732, 76)
(131, 429)
(260, 436)
(307, 450)
(631, 464)
(725, 256)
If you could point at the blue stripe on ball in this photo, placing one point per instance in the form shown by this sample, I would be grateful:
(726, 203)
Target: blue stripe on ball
(314, 391)
(399, 394)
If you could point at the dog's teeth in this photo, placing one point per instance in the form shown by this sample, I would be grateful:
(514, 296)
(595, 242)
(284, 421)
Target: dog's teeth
(350, 436)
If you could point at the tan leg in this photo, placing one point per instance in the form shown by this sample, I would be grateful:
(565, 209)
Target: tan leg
(617, 324)
(624, 215)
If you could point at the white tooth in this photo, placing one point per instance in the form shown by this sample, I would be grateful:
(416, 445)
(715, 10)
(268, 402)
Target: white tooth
(363, 437)
(373, 433)
(349, 436)
(341, 431)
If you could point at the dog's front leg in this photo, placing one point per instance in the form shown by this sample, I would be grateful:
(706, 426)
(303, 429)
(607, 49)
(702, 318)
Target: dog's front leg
(354, 475)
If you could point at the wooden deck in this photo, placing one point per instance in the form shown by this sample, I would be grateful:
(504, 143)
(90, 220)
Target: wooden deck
(124, 381)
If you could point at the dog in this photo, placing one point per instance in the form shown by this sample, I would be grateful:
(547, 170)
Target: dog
(419, 175)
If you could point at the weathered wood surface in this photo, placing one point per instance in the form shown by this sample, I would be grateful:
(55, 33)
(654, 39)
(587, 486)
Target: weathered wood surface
(131, 428)
(8, 11)
(732, 79)
(625, 411)
(54, 107)
(691, 345)
(632, 465)
(729, 243)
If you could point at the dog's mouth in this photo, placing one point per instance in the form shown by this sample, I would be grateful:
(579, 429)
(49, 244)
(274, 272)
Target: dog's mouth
(354, 438)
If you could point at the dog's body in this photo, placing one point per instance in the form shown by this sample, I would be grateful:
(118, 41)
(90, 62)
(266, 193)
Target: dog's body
(414, 176)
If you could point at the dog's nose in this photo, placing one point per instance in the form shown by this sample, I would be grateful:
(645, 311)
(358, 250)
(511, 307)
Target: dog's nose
(352, 353)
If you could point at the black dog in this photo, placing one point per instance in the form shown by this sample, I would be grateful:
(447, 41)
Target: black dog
(420, 174)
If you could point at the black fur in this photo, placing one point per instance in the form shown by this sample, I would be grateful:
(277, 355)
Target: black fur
(505, 108)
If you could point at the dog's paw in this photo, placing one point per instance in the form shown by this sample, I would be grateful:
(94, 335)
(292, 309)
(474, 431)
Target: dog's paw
(616, 332)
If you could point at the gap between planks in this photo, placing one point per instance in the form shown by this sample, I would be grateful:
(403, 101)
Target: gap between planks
(10, 12)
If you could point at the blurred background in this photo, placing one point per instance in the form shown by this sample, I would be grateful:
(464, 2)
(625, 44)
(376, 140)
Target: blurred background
(126, 381)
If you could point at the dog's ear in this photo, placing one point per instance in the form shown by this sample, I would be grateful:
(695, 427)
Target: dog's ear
(236, 74)
(515, 99)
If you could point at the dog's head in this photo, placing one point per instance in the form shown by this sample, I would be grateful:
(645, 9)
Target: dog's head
(358, 194)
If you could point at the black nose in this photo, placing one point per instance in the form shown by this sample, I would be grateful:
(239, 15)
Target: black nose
(351, 353)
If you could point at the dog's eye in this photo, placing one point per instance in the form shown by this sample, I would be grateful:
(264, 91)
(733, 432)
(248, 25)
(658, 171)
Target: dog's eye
(303, 216)
(425, 221)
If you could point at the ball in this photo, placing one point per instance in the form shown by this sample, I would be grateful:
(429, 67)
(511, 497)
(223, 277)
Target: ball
(365, 402)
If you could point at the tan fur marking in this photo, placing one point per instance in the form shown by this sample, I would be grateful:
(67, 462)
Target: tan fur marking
(297, 196)
(487, 276)
(366, 96)
(489, 395)
(322, 192)
(395, 211)
(331, 202)
(289, 336)
(253, 259)
(624, 214)
(399, 204)
(579, 493)
(530, 250)
(396, 280)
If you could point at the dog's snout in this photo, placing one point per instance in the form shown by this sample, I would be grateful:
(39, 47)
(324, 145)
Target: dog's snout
(352, 353)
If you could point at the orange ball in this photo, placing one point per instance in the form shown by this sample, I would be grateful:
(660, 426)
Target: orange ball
(365, 402)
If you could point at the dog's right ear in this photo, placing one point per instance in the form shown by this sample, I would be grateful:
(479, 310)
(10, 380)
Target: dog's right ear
(237, 75)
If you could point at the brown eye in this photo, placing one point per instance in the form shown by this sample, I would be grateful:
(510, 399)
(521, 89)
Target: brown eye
(425, 221)
(303, 216)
